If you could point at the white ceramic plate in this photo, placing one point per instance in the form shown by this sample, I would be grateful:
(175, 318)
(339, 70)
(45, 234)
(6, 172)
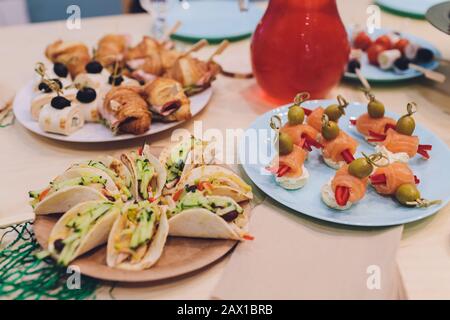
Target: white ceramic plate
(94, 132)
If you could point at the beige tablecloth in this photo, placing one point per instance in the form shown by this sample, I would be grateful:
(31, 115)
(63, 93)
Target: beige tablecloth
(27, 160)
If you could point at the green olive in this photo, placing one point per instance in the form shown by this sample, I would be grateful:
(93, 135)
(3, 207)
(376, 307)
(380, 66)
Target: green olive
(333, 112)
(296, 115)
(330, 130)
(407, 193)
(406, 125)
(285, 144)
(360, 168)
(375, 109)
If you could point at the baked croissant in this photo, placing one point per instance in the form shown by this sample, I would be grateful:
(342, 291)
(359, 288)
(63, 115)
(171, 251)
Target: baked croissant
(126, 111)
(167, 100)
(112, 48)
(190, 71)
(75, 55)
(145, 60)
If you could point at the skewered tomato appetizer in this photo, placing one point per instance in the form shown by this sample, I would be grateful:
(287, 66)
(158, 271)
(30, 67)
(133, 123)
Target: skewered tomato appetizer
(373, 52)
(362, 41)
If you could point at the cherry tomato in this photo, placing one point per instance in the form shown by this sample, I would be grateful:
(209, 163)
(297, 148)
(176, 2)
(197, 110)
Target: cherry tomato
(373, 52)
(401, 45)
(362, 41)
(384, 41)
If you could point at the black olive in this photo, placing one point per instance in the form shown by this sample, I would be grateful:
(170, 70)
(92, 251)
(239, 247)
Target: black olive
(230, 216)
(192, 188)
(353, 65)
(115, 80)
(94, 67)
(86, 95)
(424, 55)
(60, 102)
(59, 245)
(43, 87)
(60, 70)
(401, 64)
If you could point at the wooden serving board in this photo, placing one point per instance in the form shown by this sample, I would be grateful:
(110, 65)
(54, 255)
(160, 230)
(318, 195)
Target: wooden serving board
(180, 256)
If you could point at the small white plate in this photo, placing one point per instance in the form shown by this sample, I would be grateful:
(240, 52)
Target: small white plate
(94, 132)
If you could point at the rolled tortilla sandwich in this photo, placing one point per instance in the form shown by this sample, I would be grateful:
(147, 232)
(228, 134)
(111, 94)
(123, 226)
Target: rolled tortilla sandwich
(81, 229)
(75, 185)
(40, 100)
(198, 216)
(61, 121)
(138, 236)
(115, 169)
(183, 157)
(148, 174)
(218, 181)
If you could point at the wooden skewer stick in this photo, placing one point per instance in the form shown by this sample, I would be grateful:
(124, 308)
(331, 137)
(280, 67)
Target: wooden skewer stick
(363, 80)
(194, 48)
(430, 74)
(171, 31)
(223, 45)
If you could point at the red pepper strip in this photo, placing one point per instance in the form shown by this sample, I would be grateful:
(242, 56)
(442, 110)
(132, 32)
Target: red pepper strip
(353, 122)
(177, 195)
(282, 171)
(378, 179)
(43, 194)
(416, 180)
(377, 137)
(312, 142)
(389, 126)
(348, 157)
(151, 199)
(423, 153)
(307, 111)
(306, 146)
(342, 194)
(248, 237)
(140, 151)
(425, 146)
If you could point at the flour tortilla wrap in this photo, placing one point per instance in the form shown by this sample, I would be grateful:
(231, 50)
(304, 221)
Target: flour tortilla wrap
(42, 99)
(156, 184)
(114, 168)
(90, 110)
(181, 158)
(72, 187)
(65, 121)
(82, 228)
(121, 253)
(219, 181)
(189, 220)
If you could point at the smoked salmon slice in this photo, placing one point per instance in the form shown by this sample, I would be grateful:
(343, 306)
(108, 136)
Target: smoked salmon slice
(396, 142)
(392, 177)
(314, 119)
(333, 149)
(357, 187)
(366, 124)
(292, 161)
(302, 135)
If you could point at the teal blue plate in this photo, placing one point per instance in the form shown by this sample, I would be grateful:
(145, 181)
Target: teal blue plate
(213, 20)
(409, 8)
(256, 150)
(375, 74)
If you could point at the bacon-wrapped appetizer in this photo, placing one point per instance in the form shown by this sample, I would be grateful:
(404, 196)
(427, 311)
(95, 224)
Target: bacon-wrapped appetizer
(374, 120)
(398, 144)
(338, 147)
(112, 48)
(74, 55)
(349, 185)
(125, 110)
(167, 100)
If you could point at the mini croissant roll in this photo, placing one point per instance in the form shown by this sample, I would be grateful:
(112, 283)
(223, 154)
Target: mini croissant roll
(126, 111)
(190, 71)
(75, 55)
(111, 48)
(145, 59)
(167, 100)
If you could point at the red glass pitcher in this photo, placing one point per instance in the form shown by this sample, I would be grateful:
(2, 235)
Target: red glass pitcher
(299, 45)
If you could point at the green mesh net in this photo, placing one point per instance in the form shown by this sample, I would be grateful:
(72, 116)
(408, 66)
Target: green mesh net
(25, 276)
